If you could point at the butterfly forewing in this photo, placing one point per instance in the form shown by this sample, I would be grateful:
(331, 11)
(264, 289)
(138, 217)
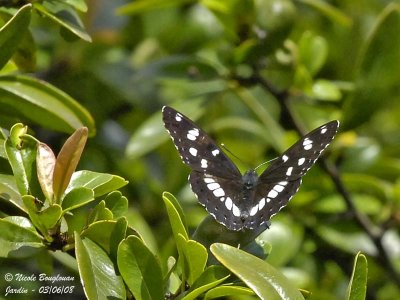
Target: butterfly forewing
(196, 148)
(300, 157)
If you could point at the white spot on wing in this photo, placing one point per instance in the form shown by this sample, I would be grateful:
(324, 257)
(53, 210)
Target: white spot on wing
(308, 147)
(283, 183)
(228, 203)
(289, 171)
(261, 204)
(278, 188)
(307, 144)
(191, 137)
(285, 158)
(323, 130)
(178, 117)
(301, 161)
(219, 192)
(193, 151)
(204, 163)
(213, 186)
(235, 210)
(215, 152)
(254, 210)
(272, 194)
(209, 180)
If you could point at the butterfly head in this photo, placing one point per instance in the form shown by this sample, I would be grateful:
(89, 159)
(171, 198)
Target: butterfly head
(249, 179)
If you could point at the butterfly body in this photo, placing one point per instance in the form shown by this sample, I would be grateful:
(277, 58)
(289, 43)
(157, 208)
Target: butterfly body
(249, 200)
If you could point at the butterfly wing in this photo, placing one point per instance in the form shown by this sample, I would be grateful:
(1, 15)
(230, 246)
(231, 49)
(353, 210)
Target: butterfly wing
(299, 158)
(282, 179)
(220, 197)
(196, 148)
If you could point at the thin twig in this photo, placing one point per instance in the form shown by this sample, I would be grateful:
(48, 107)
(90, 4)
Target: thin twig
(374, 232)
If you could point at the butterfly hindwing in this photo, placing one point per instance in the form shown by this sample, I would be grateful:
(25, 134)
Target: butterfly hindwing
(196, 148)
(220, 197)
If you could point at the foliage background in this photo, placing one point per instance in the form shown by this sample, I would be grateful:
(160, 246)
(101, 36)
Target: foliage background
(336, 60)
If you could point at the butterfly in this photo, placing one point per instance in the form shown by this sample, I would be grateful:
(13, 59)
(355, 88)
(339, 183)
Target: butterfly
(245, 201)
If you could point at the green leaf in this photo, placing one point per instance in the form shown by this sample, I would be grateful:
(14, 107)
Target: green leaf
(141, 6)
(45, 219)
(42, 103)
(195, 256)
(357, 288)
(313, 52)
(97, 272)
(224, 291)
(13, 32)
(9, 191)
(261, 277)
(140, 269)
(76, 198)
(45, 162)
(175, 217)
(13, 236)
(67, 160)
(100, 212)
(152, 133)
(116, 203)
(102, 232)
(210, 278)
(64, 16)
(100, 183)
(326, 90)
(21, 151)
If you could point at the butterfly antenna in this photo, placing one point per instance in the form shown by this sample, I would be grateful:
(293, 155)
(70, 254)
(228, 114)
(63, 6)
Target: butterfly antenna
(231, 153)
(264, 163)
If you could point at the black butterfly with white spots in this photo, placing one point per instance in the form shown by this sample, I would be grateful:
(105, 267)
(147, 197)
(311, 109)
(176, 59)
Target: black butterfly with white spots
(243, 201)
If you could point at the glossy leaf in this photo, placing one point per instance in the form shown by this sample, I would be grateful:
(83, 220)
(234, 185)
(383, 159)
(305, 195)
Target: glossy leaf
(152, 132)
(97, 271)
(42, 219)
(64, 16)
(14, 236)
(224, 291)
(45, 162)
(100, 183)
(175, 219)
(210, 278)
(9, 191)
(42, 103)
(261, 277)
(116, 203)
(13, 32)
(140, 269)
(20, 157)
(326, 90)
(67, 161)
(357, 288)
(100, 212)
(102, 232)
(77, 198)
(195, 256)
